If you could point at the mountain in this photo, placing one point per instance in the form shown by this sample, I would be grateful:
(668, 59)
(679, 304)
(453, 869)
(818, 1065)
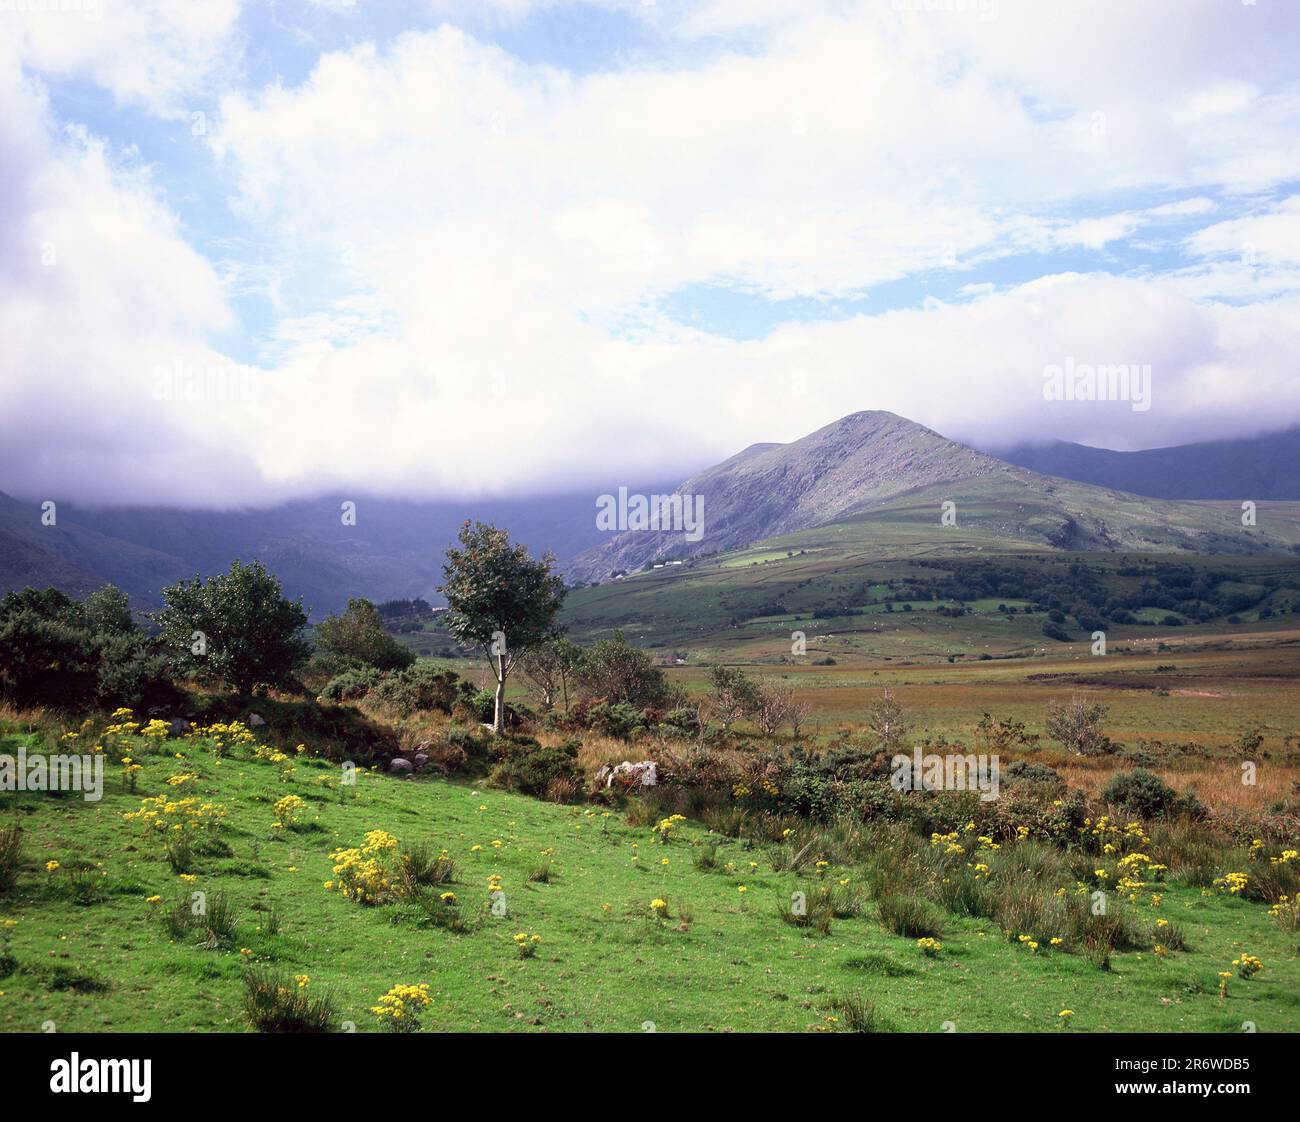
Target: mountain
(1259, 467)
(395, 550)
(885, 466)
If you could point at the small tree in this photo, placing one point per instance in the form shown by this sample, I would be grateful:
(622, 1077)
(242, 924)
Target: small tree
(108, 611)
(734, 695)
(1076, 724)
(885, 718)
(235, 628)
(550, 668)
(359, 634)
(500, 600)
(614, 670)
(777, 706)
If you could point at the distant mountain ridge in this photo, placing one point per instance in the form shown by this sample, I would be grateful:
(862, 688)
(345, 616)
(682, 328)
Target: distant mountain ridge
(872, 460)
(394, 551)
(868, 464)
(1258, 468)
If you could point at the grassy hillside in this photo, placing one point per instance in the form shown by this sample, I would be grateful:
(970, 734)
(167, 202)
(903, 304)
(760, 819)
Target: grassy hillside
(873, 585)
(721, 959)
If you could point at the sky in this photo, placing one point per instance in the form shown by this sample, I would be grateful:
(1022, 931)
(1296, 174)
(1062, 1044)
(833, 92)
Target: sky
(254, 250)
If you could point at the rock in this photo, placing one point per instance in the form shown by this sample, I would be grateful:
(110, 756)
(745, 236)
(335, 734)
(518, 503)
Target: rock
(179, 726)
(254, 721)
(399, 766)
(421, 761)
(644, 774)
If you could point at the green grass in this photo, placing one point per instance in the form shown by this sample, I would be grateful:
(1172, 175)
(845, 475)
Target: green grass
(604, 963)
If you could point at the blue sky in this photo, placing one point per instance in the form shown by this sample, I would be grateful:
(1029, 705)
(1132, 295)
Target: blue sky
(456, 248)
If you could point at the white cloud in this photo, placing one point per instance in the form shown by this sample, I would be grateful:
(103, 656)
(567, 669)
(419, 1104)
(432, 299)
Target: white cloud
(493, 240)
(149, 53)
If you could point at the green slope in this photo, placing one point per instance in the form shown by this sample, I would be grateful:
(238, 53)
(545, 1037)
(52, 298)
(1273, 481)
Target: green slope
(604, 962)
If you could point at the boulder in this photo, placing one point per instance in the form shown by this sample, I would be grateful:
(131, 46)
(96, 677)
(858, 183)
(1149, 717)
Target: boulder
(398, 766)
(254, 721)
(629, 774)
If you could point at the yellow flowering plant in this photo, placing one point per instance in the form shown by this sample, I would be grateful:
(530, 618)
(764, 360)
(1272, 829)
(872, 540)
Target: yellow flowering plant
(365, 873)
(400, 1008)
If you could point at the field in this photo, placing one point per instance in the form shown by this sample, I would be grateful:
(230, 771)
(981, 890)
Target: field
(973, 636)
(720, 960)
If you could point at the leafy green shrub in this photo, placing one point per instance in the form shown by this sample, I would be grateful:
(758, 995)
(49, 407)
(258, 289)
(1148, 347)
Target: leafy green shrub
(418, 689)
(613, 671)
(1023, 771)
(359, 633)
(682, 723)
(619, 720)
(133, 672)
(530, 768)
(465, 752)
(60, 653)
(1145, 793)
(351, 685)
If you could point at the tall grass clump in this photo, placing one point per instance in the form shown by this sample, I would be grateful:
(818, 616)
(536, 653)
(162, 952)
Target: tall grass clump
(11, 857)
(857, 1014)
(910, 916)
(209, 917)
(418, 867)
(274, 1004)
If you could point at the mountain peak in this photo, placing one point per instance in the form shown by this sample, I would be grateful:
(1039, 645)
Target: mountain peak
(850, 464)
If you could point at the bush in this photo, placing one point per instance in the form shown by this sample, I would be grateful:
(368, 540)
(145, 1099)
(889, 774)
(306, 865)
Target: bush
(57, 652)
(359, 634)
(463, 751)
(613, 670)
(526, 766)
(683, 723)
(134, 672)
(1145, 793)
(1076, 724)
(351, 685)
(618, 720)
(1023, 771)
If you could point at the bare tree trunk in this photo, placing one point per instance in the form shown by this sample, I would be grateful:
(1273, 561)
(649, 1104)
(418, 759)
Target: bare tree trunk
(499, 717)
